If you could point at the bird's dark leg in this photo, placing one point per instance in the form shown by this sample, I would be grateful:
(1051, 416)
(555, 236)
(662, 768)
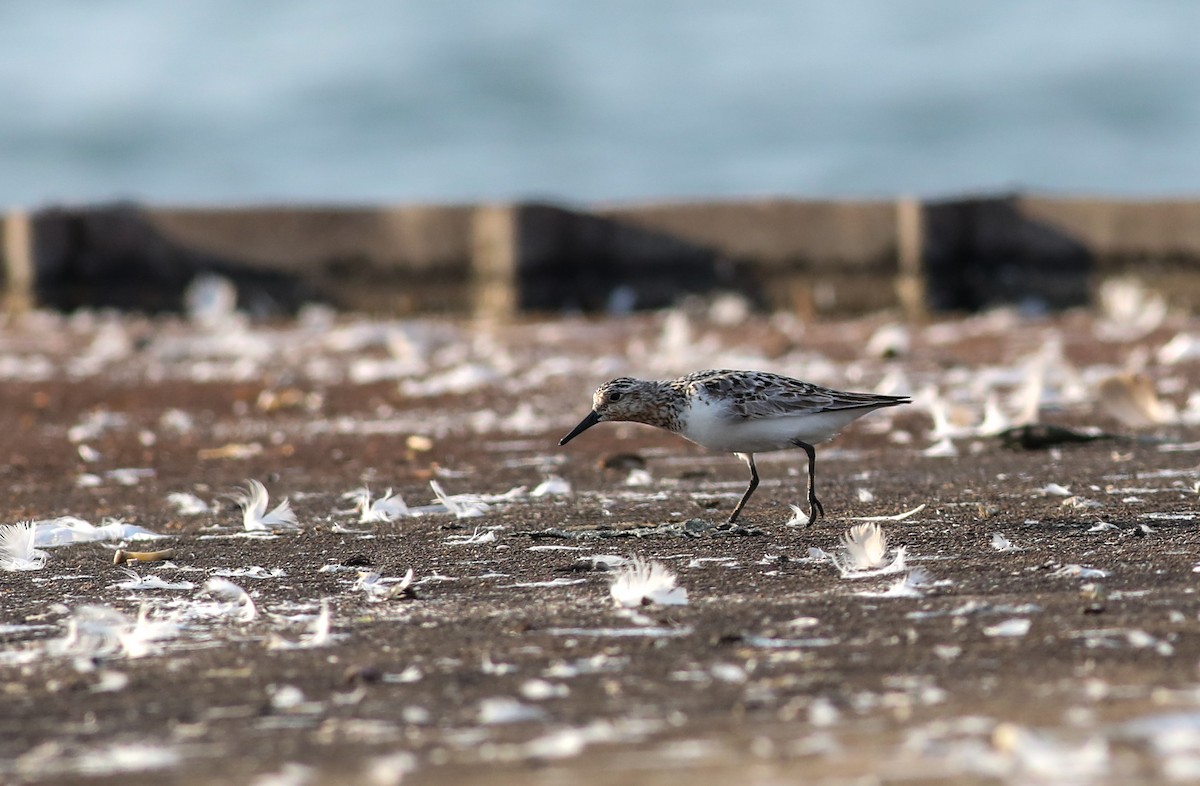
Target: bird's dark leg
(749, 459)
(815, 508)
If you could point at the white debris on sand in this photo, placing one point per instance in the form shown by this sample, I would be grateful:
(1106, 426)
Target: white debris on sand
(646, 582)
(255, 518)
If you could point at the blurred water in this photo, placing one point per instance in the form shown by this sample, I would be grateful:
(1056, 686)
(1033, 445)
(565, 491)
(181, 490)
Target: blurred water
(300, 100)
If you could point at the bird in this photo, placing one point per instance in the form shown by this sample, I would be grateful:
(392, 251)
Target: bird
(739, 412)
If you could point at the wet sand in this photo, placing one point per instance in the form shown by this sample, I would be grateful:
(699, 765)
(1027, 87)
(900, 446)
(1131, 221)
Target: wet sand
(1070, 657)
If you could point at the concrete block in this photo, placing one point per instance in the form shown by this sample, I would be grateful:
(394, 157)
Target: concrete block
(397, 260)
(985, 252)
(547, 258)
(808, 256)
(780, 234)
(17, 263)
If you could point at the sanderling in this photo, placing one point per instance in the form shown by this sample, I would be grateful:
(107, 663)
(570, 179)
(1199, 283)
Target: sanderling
(739, 412)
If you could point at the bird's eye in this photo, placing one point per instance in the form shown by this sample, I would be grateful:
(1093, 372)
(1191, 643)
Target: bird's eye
(614, 397)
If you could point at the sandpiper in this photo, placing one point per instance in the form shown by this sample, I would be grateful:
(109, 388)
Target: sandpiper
(739, 412)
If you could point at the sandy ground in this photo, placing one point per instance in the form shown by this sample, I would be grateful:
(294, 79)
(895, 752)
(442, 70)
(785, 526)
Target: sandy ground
(1070, 656)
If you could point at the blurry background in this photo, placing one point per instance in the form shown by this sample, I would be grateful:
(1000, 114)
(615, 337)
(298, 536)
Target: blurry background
(234, 102)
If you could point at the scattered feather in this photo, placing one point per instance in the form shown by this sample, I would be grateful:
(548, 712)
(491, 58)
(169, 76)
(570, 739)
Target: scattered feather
(941, 449)
(897, 517)
(605, 561)
(251, 572)
(551, 486)
(1039, 758)
(92, 631)
(390, 769)
(187, 504)
(178, 421)
(150, 582)
(799, 517)
(505, 709)
(403, 587)
(889, 341)
(1079, 572)
(822, 712)
(1054, 490)
(129, 476)
(102, 631)
(1182, 348)
(1131, 309)
(253, 500)
(462, 378)
(865, 547)
(473, 539)
(239, 602)
(370, 583)
(1001, 543)
(1140, 639)
(232, 450)
(728, 672)
(95, 424)
(292, 773)
(724, 562)
(343, 529)
(67, 530)
(994, 419)
(17, 551)
(319, 633)
(865, 553)
(379, 588)
(1012, 628)
(211, 301)
(910, 586)
(639, 477)
(388, 507)
(539, 690)
(949, 422)
(461, 505)
(562, 582)
(1132, 400)
(111, 760)
(109, 681)
(646, 582)
(144, 637)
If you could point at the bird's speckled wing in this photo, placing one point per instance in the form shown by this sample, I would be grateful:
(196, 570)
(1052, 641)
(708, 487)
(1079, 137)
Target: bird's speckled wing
(760, 394)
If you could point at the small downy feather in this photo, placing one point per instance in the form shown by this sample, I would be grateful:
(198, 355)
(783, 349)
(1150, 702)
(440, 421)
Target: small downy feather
(641, 582)
(255, 518)
(387, 508)
(17, 550)
(865, 553)
(240, 601)
(866, 547)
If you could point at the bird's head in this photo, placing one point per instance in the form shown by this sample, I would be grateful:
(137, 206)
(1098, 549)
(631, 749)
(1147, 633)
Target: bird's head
(623, 398)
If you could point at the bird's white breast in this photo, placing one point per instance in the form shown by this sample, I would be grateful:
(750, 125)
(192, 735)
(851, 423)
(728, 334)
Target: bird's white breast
(706, 423)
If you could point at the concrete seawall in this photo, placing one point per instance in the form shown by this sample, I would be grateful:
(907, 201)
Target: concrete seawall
(504, 259)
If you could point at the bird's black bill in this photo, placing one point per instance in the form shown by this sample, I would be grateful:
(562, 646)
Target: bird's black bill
(592, 419)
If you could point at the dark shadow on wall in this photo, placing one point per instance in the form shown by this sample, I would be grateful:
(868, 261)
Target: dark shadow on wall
(576, 260)
(113, 257)
(984, 252)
